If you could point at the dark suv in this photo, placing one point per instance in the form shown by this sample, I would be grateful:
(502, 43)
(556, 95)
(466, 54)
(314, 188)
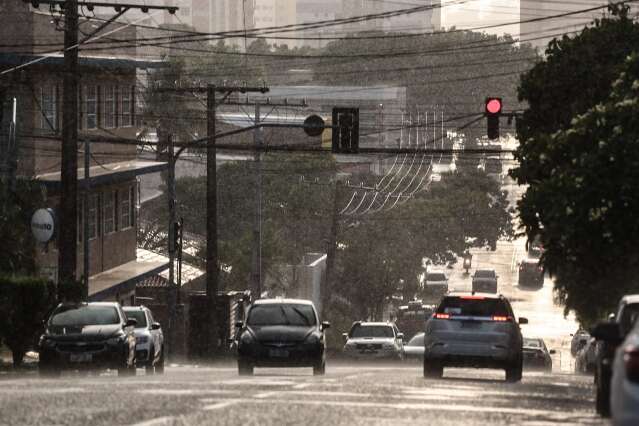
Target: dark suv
(281, 333)
(474, 330)
(88, 336)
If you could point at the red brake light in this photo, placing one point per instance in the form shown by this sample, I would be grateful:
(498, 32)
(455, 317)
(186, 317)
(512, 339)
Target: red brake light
(500, 318)
(442, 316)
(631, 359)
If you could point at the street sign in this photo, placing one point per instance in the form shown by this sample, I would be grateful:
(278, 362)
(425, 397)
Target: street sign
(314, 125)
(43, 225)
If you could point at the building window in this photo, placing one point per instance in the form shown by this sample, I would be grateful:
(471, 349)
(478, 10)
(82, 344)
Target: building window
(109, 107)
(48, 104)
(92, 107)
(109, 212)
(127, 107)
(93, 216)
(127, 205)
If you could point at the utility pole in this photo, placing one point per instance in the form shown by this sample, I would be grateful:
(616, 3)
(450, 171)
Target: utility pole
(85, 223)
(330, 249)
(212, 269)
(256, 279)
(172, 243)
(67, 244)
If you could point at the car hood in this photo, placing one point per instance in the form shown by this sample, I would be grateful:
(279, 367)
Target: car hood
(280, 333)
(87, 332)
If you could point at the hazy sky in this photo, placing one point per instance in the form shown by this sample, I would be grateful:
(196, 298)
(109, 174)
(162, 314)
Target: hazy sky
(474, 13)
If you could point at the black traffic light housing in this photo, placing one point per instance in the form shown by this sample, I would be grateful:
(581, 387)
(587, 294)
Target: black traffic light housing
(345, 130)
(492, 110)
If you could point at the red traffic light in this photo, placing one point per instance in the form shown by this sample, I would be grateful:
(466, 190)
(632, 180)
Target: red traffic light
(493, 105)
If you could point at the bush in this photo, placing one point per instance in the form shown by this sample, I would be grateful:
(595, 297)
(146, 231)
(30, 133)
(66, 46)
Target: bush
(24, 304)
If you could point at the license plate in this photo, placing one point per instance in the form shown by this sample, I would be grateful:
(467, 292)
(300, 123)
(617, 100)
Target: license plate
(80, 357)
(278, 353)
(470, 324)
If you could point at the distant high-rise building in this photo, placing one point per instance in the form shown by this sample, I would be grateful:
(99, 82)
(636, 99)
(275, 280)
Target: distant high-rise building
(540, 32)
(425, 20)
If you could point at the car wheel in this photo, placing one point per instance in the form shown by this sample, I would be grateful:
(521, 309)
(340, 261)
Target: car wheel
(244, 368)
(602, 397)
(319, 369)
(514, 372)
(433, 369)
(46, 370)
(159, 366)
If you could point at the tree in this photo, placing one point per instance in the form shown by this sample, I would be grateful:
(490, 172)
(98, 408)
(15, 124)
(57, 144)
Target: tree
(578, 157)
(585, 210)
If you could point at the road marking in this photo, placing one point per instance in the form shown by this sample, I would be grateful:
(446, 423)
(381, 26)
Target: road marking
(221, 404)
(188, 391)
(156, 422)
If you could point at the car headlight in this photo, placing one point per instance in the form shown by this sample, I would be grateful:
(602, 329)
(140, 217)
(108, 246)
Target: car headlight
(141, 339)
(117, 340)
(45, 341)
(388, 346)
(312, 339)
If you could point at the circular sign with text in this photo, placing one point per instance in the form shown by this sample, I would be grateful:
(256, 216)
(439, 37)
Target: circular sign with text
(43, 225)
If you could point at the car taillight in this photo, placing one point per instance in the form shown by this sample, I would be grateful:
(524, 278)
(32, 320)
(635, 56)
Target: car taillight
(500, 318)
(631, 360)
(442, 316)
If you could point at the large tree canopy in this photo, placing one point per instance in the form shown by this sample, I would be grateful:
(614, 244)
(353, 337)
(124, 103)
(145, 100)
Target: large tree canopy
(585, 204)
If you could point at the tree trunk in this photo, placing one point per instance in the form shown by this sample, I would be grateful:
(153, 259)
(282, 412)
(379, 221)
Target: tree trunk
(18, 355)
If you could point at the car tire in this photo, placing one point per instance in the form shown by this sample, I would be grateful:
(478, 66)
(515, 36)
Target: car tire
(602, 394)
(514, 372)
(159, 366)
(244, 368)
(48, 371)
(433, 369)
(319, 369)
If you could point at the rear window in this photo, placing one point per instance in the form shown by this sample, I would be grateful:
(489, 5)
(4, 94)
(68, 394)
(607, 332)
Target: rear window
(532, 343)
(473, 306)
(360, 330)
(484, 273)
(436, 276)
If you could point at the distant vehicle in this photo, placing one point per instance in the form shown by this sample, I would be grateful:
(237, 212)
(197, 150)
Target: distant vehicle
(534, 248)
(474, 330)
(586, 359)
(579, 340)
(435, 177)
(531, 274)
(435, 285)
(88, 336)
(281, 333)
(414, 349)
(374, 340)
(537, 355)
(625, 317)
(411, 318)
(624, 387)
(149, 340)
(485, 281)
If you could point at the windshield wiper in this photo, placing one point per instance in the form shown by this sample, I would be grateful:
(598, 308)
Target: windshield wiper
(301, 314)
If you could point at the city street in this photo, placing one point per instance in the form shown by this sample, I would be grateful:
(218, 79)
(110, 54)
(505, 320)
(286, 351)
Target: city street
(347, 395)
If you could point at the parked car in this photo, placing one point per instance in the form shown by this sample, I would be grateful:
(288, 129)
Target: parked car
(374, 341)
(537, 355)
(470, 330)
(579, 340)
(624, 386)
(435, 285)
(531, 273)
(88, 336)
(281, 333)
(149, 340)
(485, 281)
(585, 361)
(410, 319)
(414, 349)
(625, 317)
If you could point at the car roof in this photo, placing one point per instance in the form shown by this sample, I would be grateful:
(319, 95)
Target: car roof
(484, 270)
(389, 324)
(114, 304)
(278, 300)
(630, 298)
(530, 260)
(134, 308)
(478, 294)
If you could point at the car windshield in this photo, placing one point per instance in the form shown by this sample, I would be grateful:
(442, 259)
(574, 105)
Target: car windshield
(282, 314)
(436, 276)
(85, 315)
(485, 273)
(137, 315)
(417, 340)
(360, 330)
(473, 306)
(532, 343)
(628, 317)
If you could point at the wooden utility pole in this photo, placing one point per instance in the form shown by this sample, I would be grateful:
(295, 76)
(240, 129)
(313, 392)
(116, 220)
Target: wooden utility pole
(172, 243)
(212, 267)
(256, 274)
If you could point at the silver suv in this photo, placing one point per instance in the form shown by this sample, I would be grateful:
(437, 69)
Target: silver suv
(474, 330)
(149, 340)
(374, 340)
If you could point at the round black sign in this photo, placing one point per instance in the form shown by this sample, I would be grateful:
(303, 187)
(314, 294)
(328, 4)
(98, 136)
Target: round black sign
(314, 125)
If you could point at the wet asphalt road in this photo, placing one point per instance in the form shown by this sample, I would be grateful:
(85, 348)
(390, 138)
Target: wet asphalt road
(349, 394)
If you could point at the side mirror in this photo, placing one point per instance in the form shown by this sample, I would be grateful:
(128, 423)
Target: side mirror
(325, 325)
(612, 316)
(155, 326)
(400, 336)
(239, 324)
(131, 322)
(607, 331)
(345, 336)
(523, 320)
(552, 352)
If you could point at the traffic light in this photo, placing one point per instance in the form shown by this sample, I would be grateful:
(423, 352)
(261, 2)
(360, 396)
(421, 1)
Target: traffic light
(492, 108)
(345, 130)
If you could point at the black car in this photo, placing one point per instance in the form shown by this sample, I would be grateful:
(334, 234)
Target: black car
(537, 355)
(281, 333)
(531, 273)
(88, 336)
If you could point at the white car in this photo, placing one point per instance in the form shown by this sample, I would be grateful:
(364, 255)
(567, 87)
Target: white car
(624, 388)
(374, 341)
(149, 340)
